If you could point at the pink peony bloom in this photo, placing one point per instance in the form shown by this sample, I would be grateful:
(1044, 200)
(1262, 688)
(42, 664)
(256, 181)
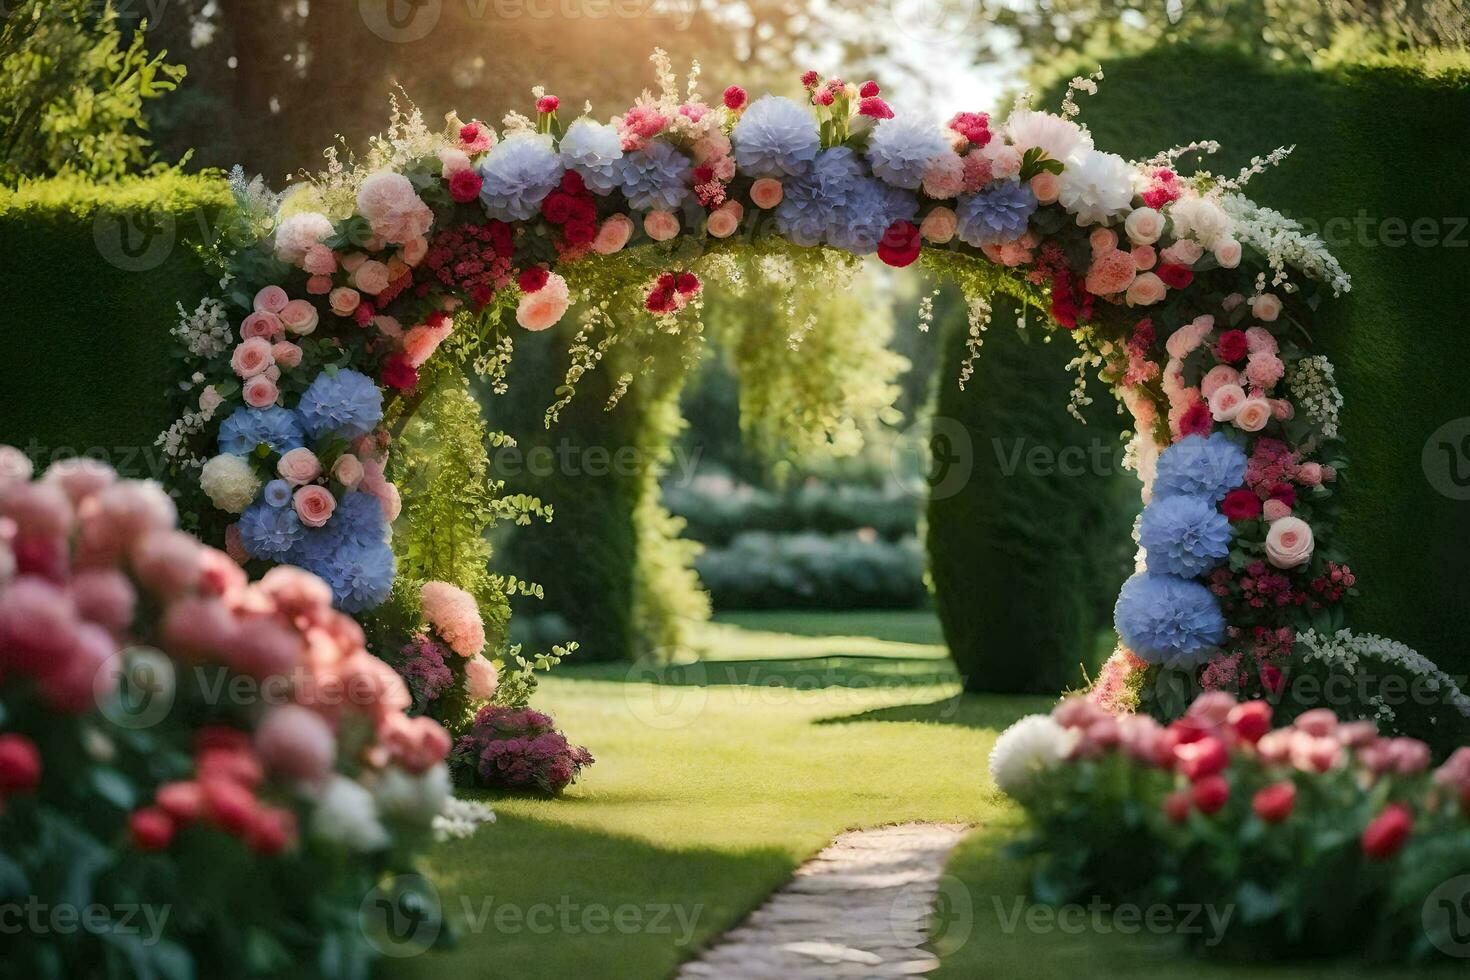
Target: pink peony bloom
(388, 201)
(319, 261)
(421, 342)
(1112, 271)
(455, 616)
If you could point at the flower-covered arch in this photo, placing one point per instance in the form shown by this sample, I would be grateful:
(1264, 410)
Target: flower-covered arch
(1190, 300)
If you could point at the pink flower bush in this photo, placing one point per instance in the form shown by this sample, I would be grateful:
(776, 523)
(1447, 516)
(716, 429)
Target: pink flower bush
(455, 616)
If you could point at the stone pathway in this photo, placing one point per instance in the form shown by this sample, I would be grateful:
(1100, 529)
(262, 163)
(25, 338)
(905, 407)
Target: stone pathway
(857, 909)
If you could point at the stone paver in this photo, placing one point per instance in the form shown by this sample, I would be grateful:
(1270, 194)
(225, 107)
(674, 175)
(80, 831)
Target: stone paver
(857, 909)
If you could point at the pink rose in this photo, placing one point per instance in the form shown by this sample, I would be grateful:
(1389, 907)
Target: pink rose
(354, 261)
(259, 324)
(1282, 410)
(1232, 301)
(1144, 257)
(388, 201)
(344, 301)
(1144, 226)
(414, 250)
(347, 470)
(209, 400)
(545, 307)
(388, 326)
(1253, 415)
(260, 391)
(1266, 307)
(251, 358)
(453, 161)
(1182, 252)
(296, 742)
(613, 234)
(1264, 369)
(299, 466)
(1046, 187)
(1310, 474)
(1102, 240)
(300, 317)
(481, 678)
(271, 299)
(1275, 510)
(318, 285)
(314, 505)
(1218, 377)
(944, 176)
(286, 354)
(722, 223)
(421, 342)
(1005, 160)
(939, 226)
(372, 277)
(661, 225)
(1146, 290)
(1227, 253)
(1259, 340)
(767, 193)
(1186, 339)
(735, 208)
(1289, 543)
(320, 260)
(1226, 402)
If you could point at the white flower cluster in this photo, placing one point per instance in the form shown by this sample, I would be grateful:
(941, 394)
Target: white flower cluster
(205, 332)
(461, 818)
(1314, 388)
(1346, 651)
(230, 482)
(1284, 244)
(1031, 746)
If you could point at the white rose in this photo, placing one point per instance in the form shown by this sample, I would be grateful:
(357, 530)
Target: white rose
(1201, 219)
(1096, 188)
(1266, 307)
(230, 482)
(1289, 543)
(1252, 415)
(1227, 253)
(1226, 402)
(1144, 226)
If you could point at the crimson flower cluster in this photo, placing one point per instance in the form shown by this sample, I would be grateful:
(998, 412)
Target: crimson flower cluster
(474, 260)
(671, 292)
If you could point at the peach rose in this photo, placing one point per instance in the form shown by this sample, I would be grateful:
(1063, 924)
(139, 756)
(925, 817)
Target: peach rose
(1218, 377)
(613, 234)
(286, 354)
(271, 299)
(299, 317)
(1266, 307)
(1289, 542)
(397, 268)
(354, 261)
(767, 193)
(661, 225)
(1102, 240)
(735, 208)
(1182, 252)
(1111, 271)
(314, 505)
(1146, 290)
(1144, 226)
(1226, 402)
(260, 391)
(414, 250)
(1275, 510)
(1144, 257)
(939, 225)
(347, 470)
(372, 277)
(1227, 253)
(299, 466)
(1046, 187)
(209, 399)
(261, 324)
(251, 358)
(1253, 415)
(320, 260)
(546, 306)
(344, 300)
(722, 223)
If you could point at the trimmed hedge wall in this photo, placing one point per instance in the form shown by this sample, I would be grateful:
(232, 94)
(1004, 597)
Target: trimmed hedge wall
(92, 276)
(1028, 554)
(1379, 152)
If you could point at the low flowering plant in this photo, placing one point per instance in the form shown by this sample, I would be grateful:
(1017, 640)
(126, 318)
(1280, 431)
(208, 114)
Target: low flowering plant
(518, 749)
(1325, 837)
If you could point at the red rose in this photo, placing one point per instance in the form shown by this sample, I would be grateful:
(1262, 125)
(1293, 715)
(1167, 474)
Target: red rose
(583, 209)
(572, 182)
(182, 801)
(900, 244)
(734, 98)
(1284, 492)
(704, 173)
(1202, 758)
(1175, 276)
(1197, 421)
(1240, 504)
(1210, 794)
(868, 90)
(150, 829)
(973, 126)
(532, 278)
(579, 232)
(272, 829)
(1232, 347)
(364, 314)
(20, 765)
(399, 373)
(557, 208)
(464, 185)
(1388, 832)
(687, 283)
(1176, 806)
(1274, 803)
(1250, 721)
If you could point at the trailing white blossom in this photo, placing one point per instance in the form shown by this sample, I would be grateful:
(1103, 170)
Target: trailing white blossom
(461, 818)
(1284, 243)
(205, 332)
(1347, 651)
(1315, 389)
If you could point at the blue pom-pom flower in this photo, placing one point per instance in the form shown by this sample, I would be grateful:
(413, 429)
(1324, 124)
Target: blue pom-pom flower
(269, 531)
(998, 214)
(655, 177)
(775, 137)
(593, 150)
(1168, 620)
(900, 150)
(351, 552)
(519, 172)
(810, 201)
(246, 428)
(347, 404)
(871, 206)
(1197, 466)
(1184, 536)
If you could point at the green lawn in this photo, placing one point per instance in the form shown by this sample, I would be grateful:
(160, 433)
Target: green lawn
(715, 780)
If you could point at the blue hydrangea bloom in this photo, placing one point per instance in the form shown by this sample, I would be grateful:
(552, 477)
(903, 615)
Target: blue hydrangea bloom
(1184, 536)
(1197, 466)
(593, 150)
(1168, 620)
(270, 532)
(998, 214)
(347, 404)
(359, 518)
(246, 428)
(808, 201)
(900, 150)
(656, 177)
(360, 574)
(519, 172)
(870, 207)
(775, 137)
(277, 493)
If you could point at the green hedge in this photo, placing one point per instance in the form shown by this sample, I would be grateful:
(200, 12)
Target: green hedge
(1386, 142)
(1029, 551)
(88, 300)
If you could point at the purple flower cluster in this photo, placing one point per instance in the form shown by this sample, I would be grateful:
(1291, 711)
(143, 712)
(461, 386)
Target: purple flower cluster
(422, 664)
(519, 748)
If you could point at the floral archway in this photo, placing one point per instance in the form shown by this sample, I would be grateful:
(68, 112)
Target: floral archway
(435, 249)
